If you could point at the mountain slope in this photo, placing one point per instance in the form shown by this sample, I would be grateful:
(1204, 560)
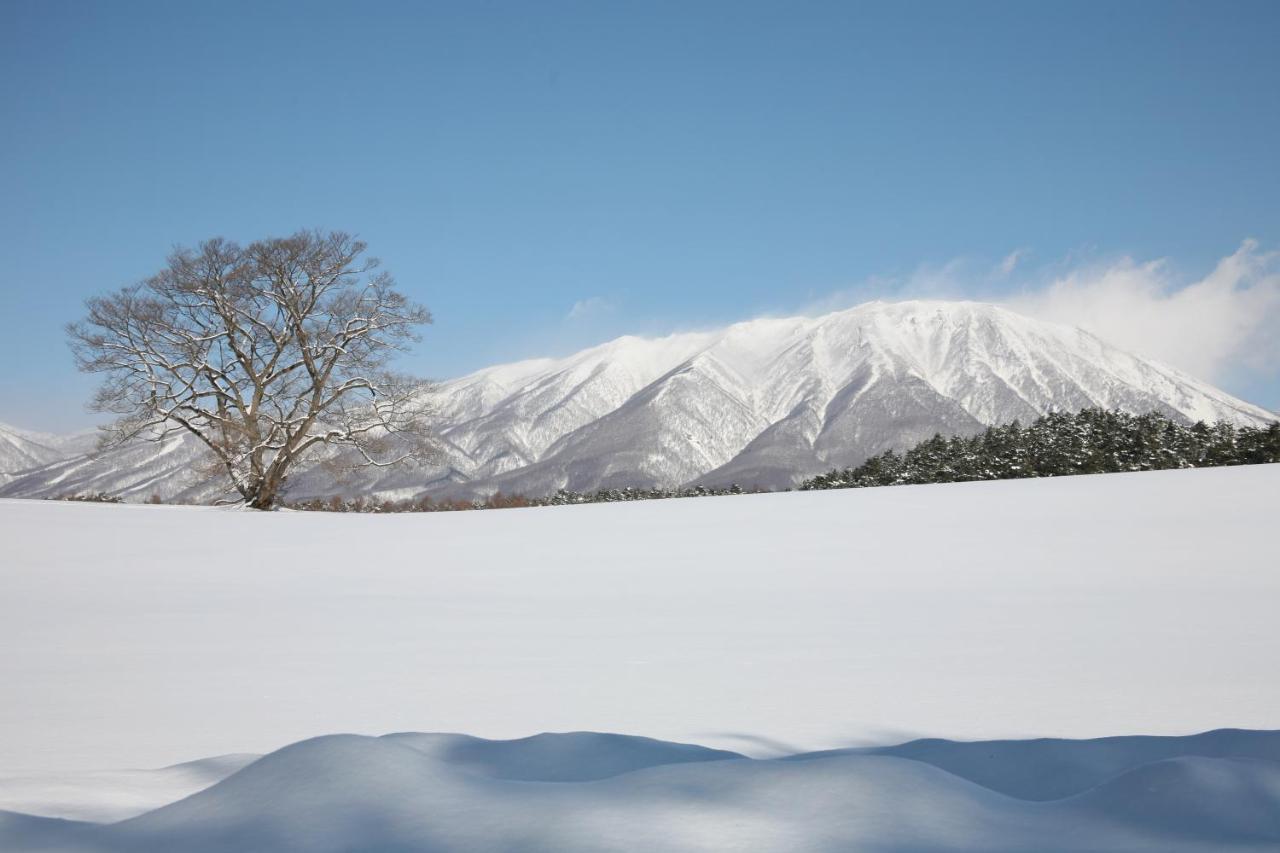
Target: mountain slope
(761, 403)
(21, 450)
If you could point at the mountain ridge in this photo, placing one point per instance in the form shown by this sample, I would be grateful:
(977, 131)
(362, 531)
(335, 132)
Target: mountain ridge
(764, 402)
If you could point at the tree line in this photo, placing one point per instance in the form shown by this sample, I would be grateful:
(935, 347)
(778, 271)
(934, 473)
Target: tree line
(499, 500)
(1091, 441)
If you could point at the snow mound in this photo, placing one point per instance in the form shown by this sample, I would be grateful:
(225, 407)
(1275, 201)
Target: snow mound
(1053, 768)
(1220, 801)
(22, 832)
(111, 795)
(557, 757)
(348, 792)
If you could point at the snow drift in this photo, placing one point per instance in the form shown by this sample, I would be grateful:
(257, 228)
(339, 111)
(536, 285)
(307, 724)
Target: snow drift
(423, 793)
(105, 796)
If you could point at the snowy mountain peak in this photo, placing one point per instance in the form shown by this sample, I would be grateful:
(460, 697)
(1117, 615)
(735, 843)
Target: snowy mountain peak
(772, 399)
(763, 402)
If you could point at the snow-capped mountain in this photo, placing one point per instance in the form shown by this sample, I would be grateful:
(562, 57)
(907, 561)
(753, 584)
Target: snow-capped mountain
(764, 402)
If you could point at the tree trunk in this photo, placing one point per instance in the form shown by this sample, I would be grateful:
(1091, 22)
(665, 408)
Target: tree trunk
(268, 485)
(265, 494)
(264, 499)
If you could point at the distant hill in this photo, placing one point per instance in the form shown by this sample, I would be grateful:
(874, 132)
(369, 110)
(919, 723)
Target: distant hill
(22, 450)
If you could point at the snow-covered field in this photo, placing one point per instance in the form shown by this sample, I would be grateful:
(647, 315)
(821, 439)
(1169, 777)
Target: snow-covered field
(1080, 607)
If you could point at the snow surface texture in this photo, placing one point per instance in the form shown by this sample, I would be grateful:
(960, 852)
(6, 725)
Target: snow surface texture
(766, 403)
(140, 636)
(1219, 791)
(761, 625)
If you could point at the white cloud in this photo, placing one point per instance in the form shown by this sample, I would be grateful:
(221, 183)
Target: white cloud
(585, 309)
(1226, 322)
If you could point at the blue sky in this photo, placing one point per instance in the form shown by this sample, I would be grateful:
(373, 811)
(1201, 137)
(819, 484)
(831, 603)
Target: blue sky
(659, 166)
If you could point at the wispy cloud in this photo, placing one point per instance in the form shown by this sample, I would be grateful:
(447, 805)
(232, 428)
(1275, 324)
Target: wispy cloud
(592, 307)
(1011, 261)
(959, 278)
(1225, 325)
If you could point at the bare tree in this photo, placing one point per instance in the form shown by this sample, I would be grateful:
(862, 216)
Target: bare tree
(263, 353)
